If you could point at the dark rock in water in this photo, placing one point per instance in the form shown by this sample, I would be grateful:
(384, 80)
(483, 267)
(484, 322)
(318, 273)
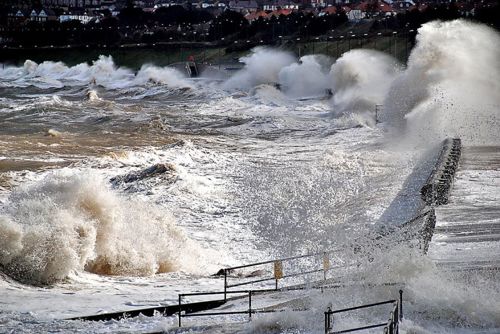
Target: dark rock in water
(254, 273)
(178, 143)
(221, 272)
(152, 171)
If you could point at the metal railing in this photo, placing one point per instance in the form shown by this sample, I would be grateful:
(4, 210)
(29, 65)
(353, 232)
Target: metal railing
(390, 327)
(218, 302)
(278, 270)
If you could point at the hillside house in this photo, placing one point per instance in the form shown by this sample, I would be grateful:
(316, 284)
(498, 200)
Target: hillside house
(76, 15)
(243, 6)
(255, 15)
(18, 17)
(43, 15)
(375, 8)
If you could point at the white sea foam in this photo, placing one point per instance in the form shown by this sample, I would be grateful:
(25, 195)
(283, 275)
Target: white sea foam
(71, 222)
(451, 85)
(269, 95)
(92, 96)
(161, 75)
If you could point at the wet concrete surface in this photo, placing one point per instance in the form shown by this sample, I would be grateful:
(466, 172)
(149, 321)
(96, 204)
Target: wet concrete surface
(467, 233)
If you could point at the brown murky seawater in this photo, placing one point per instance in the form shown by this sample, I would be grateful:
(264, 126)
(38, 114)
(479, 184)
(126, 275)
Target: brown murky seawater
(20, 153)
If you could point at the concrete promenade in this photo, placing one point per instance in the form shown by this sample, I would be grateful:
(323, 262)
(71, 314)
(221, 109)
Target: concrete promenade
(467, 232)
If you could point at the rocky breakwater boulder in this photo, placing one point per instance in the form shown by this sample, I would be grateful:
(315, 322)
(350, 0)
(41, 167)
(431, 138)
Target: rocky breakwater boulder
(166, 170)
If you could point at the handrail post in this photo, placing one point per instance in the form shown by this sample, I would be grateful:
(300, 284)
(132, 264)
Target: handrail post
(326, 323)
(326, 264)
(400, 305)
(328, 320)
(180, 310)
(395, 317)
(250, 305)
(225, 284)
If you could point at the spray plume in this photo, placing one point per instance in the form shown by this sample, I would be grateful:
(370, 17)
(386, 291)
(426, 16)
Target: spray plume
(451, 86)
(262, 66)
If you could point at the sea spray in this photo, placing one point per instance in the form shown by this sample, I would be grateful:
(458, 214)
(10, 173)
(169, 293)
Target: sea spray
(451, 86)
(432, 293)
(69, 222)
(308, 77)
(262, 66)
(360, 80)
(161, 75)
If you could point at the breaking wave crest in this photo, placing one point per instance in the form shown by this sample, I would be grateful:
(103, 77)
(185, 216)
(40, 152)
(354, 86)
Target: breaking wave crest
(307, 78)
(449, 88)
(103, 72)
(357, 81)
(71, 222)
(361, 80)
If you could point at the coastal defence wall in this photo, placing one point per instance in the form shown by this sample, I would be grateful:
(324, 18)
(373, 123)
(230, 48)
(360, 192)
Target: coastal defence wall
(436, 190)
(411, 217)
(438, 185)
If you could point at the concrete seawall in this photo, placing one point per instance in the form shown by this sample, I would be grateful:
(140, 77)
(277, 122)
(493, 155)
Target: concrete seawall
(437, 188)
(411, 217)
(467, 233)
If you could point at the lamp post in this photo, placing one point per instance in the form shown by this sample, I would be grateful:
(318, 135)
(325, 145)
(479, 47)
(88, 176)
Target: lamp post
(406, 44)
(183, 39)
(395, 43)
(342, 38)
(222, 40)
